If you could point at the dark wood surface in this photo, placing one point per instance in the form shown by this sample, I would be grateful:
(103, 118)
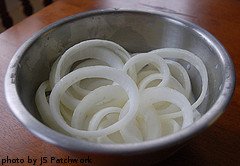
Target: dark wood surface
(27, 8)
(218, 145)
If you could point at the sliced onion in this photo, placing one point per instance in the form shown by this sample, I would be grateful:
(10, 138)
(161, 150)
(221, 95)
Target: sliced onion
(102, 94)
(151, 126)
(106, 51)
(97, 118)
(179, 72)
(77, 89)
(173, 83)
(43, 107)
(157, 94)
(193, 60)
(90, 72)
(130, 133)
(95, 101)
(146, 59)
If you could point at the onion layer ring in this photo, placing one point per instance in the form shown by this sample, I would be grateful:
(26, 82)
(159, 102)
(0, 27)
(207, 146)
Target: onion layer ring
(96, 71)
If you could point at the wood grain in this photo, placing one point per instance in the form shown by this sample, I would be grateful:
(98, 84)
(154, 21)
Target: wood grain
(219, 145)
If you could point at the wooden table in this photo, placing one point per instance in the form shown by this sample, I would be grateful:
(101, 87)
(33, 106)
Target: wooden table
(219, 145)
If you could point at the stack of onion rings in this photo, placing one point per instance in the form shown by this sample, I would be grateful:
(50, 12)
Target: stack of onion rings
(101, 93)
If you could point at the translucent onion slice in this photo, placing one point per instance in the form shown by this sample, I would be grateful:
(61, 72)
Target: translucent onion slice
(176, 126)
(97, 118)
(66, 113)
(178, 114)
(77, 89)
(150, 124)
(130, 133)
(106, 51)
(53, 72)
(179, 72)
(67, 100)
(173, 84)
(116, 137)
(84, 87)
(169, 126)
(91, 72)
(106, 139)
(91, 62)
(144, 59)
(95, 101)
(142, 74)
(193, 60)
(43, 107)
(157, 94)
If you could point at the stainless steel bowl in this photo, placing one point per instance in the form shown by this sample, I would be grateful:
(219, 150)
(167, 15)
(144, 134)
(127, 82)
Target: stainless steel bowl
(137, 31)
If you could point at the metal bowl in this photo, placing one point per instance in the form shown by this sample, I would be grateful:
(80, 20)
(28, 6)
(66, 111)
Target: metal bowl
(137, 31)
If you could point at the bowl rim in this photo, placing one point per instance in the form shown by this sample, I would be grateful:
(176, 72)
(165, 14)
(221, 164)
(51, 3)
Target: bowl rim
(45, 133)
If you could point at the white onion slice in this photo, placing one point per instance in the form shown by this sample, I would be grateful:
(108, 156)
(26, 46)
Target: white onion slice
(95, 101)
(90, 72)
(91, 62)
(102, 94)
(43, 107)
(97, 118)
(106, 51)
(130, 133)
(176, 126)
(157, 94)
(79, 91)
(66, 113)
(84, 87)
(150, 125)
(169, 126)
(173, 83)
(145, 59)
(193, 60)
(179, 72)
(142, 74)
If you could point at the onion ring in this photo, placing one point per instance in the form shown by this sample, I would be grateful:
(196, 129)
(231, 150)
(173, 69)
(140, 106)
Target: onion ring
(95, 71)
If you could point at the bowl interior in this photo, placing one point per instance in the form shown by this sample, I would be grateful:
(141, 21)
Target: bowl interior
(136, 32)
